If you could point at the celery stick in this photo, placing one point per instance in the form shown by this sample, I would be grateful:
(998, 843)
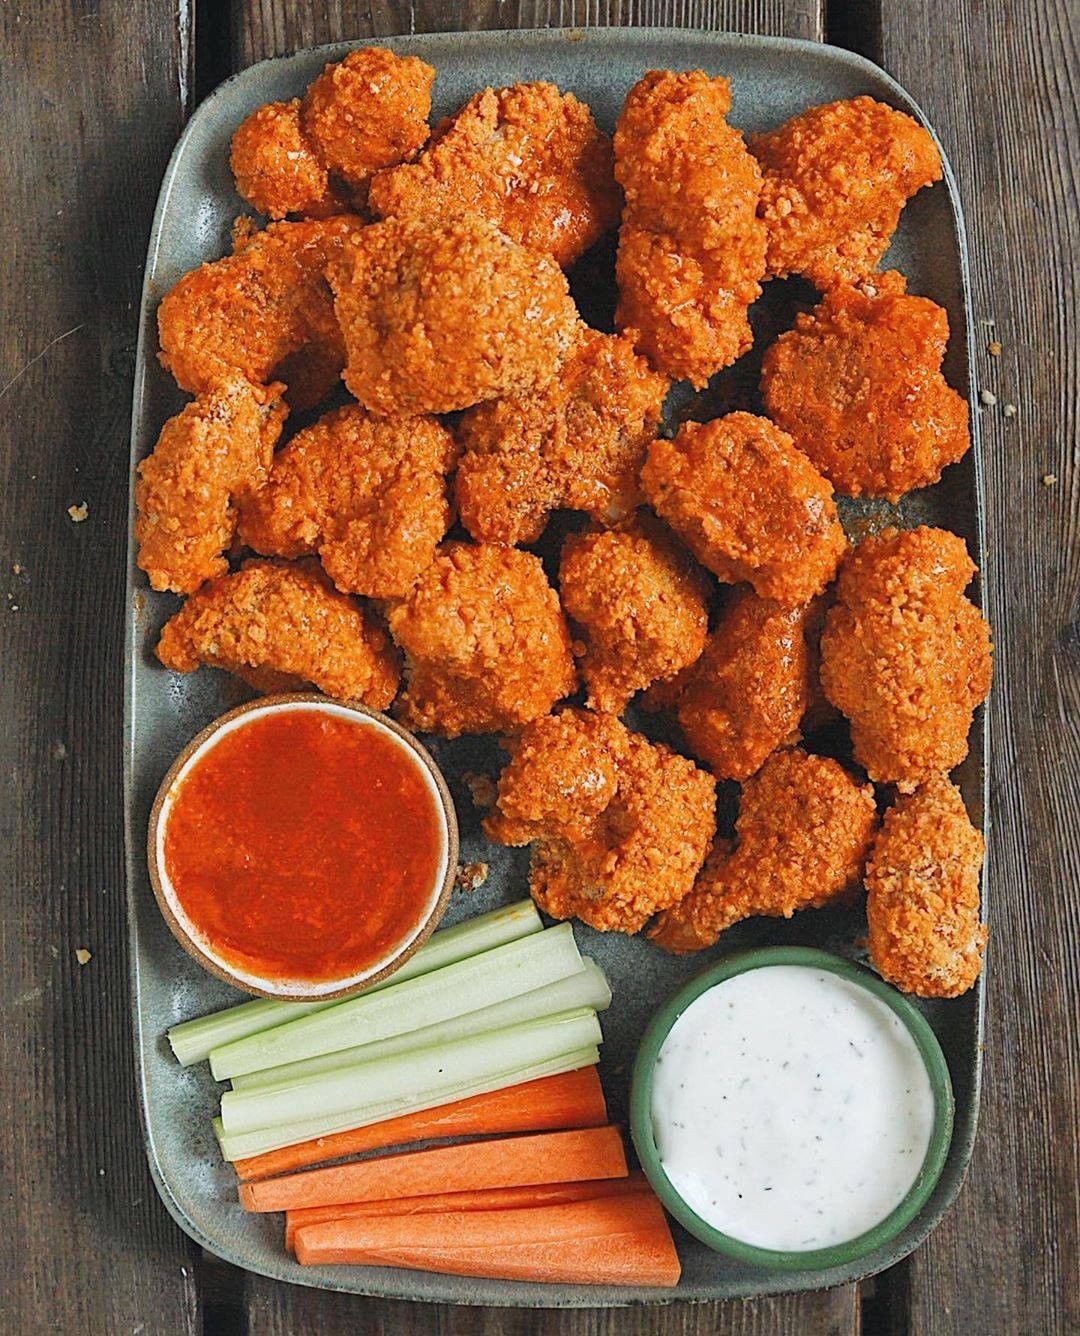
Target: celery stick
(192, 1041)
(588, 988)
(411, 1076)
(518, 967)
(241, 1145)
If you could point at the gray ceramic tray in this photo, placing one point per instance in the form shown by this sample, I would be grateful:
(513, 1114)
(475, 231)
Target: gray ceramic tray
(772, 78)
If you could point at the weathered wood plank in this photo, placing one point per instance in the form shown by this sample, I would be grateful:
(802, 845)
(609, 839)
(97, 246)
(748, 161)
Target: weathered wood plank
(276, 1310)
(86, 1245)
(263, 29)
(999, 83)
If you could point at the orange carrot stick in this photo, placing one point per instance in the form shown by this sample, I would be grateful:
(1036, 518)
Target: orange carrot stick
(647, 1259)
(548, 1157)
(549, 1194)
(572, 1099)
(604, 1241)
(597, 1218)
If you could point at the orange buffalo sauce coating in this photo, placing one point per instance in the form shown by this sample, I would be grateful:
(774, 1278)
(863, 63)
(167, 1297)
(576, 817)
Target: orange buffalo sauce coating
(304, 846)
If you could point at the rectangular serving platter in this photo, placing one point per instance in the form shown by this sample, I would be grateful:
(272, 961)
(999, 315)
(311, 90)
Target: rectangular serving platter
(772, 78)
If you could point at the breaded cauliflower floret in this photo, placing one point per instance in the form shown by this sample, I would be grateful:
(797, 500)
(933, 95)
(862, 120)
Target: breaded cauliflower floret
(208, 458)
(367, 495)
(527, 158)
(275, 167)
(577, 444)
(367, 112)
(746, 694)
(619, 825)
(272, 624)
(691, 248)
(905, 655)
(637, 599)
(836, 178)
(251, 311)
(802, 838)
(361, 115)
(748, 505)
(486, 645)
(438, 317)
(922, 905)
(858, 385)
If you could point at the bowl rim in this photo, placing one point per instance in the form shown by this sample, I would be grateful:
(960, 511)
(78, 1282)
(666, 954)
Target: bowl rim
(817, 1259)
(249, 982)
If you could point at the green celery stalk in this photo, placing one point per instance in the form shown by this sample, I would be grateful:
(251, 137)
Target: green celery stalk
(480, 981)
(192, 1041)
(241, 1145)
(588, 988)
(412, 1076)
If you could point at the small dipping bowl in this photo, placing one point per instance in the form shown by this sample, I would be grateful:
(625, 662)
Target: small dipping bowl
(644, 1133)
(419, 778)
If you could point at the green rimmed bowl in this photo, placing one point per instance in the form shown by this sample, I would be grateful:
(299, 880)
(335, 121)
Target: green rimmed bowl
(817, 1259)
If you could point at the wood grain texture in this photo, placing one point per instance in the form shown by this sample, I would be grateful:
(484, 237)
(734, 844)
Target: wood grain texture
(1000, 85)
(263, 28)
(91, 99)
(277, 1310)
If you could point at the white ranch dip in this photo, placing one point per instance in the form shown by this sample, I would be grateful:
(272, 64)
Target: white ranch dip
(791, 1108)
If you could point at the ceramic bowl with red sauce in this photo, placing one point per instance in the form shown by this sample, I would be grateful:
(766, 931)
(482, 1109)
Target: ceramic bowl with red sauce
(302, 848)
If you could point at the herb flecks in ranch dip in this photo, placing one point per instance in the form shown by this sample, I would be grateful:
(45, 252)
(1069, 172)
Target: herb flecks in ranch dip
(304, 845)
(791, 1108)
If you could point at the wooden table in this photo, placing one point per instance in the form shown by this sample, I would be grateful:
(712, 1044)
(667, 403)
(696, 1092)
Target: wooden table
(92, 97)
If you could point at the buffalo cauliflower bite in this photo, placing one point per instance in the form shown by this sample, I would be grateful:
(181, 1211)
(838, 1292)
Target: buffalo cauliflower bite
(362, 114)
(275, 167)
(486, 645)
(208, 458)
(836, 178)
(637, 600)
(858, 385)
(368, 112)
(250, 312)
(748, 505)
(438, 317)
(528, 158)
(746, 695)
(691, 248)
(619, 825)
(803, 834)
(271, 623)
(922, 905)
(576, 444)
(368, 495)
(904, 655)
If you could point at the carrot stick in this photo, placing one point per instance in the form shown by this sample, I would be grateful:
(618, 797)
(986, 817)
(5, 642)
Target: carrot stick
(549, 1157)
(477, 1229)
(573, 1099)
(646, 1259)
(492, 1199)
(604, 1241)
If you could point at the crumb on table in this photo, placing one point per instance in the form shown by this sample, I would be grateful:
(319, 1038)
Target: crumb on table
(78, 513)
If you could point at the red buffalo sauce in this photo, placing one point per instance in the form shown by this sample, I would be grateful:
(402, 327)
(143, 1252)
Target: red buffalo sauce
(304, 845)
